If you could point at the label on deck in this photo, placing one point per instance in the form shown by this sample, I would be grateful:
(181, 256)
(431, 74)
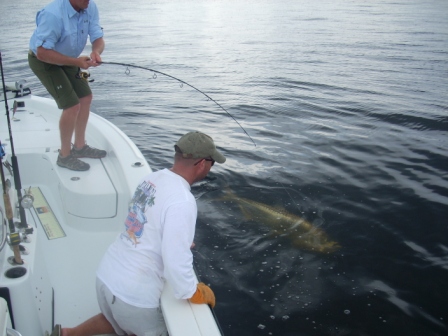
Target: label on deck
(46, 216)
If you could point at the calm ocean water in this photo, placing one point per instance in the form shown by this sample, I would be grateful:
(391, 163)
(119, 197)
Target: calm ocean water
(347, 104)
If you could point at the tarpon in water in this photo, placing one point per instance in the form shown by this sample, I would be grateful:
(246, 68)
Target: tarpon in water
(302, 233)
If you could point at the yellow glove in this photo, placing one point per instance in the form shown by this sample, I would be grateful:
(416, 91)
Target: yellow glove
(203, 294)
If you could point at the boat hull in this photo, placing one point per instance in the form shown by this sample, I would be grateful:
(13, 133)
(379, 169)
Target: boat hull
(74, 218)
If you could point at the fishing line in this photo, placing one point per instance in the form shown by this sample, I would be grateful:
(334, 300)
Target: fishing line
(127, 72)
(211, 309)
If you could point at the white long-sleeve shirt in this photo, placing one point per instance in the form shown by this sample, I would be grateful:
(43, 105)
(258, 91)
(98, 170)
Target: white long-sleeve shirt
(156, 243)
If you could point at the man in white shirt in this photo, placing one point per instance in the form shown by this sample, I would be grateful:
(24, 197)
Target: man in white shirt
(154, 247)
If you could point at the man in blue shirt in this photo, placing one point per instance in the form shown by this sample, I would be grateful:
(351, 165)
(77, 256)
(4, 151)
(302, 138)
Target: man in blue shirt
(55, 48)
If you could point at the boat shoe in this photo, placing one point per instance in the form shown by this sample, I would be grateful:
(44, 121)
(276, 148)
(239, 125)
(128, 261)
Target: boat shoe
(72, 163)
(88, 152)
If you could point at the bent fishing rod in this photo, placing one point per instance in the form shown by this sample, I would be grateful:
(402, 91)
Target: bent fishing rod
(15, 164)
(180, 81)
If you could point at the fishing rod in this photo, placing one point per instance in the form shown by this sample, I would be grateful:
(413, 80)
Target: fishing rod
(15, 163)
(180, 81)
(14, 237)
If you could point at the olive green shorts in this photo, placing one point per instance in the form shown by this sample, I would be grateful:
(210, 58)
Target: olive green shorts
(60, 81)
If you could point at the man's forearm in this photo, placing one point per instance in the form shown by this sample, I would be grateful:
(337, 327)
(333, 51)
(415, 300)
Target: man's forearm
(98, 45)
(54, 57)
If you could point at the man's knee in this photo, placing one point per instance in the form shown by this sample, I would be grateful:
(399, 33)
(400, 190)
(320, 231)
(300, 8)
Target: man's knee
(86, 100)
(72, 109)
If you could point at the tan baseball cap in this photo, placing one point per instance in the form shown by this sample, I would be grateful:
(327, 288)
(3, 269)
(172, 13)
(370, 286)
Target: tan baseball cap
(197, 145)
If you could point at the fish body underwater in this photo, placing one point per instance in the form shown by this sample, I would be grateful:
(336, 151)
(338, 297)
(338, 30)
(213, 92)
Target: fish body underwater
(299, 231)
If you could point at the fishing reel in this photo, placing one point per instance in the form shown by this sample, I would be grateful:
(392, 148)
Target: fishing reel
(14, 238)
(84, 74)
(27, 200)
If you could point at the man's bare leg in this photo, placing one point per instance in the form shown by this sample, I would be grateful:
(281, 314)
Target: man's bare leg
(97, 325)
(67, 124)
(81, 121)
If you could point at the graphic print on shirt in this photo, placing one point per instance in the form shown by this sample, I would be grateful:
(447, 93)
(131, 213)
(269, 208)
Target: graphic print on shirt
(136, 219)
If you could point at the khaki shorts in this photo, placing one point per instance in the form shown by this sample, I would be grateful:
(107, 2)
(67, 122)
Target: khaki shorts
(60, 81)
(127, 319)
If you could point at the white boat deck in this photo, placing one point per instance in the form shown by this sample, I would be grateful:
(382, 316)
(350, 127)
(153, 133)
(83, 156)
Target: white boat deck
(89, 208)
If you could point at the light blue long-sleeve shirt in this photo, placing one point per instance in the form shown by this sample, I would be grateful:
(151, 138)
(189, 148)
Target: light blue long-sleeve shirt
(61, 28)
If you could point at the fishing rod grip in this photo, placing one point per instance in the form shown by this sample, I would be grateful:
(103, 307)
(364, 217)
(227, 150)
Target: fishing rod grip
(17, 256)
(18, 187)
(8, 209)
(15, 169)
(14, 237)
